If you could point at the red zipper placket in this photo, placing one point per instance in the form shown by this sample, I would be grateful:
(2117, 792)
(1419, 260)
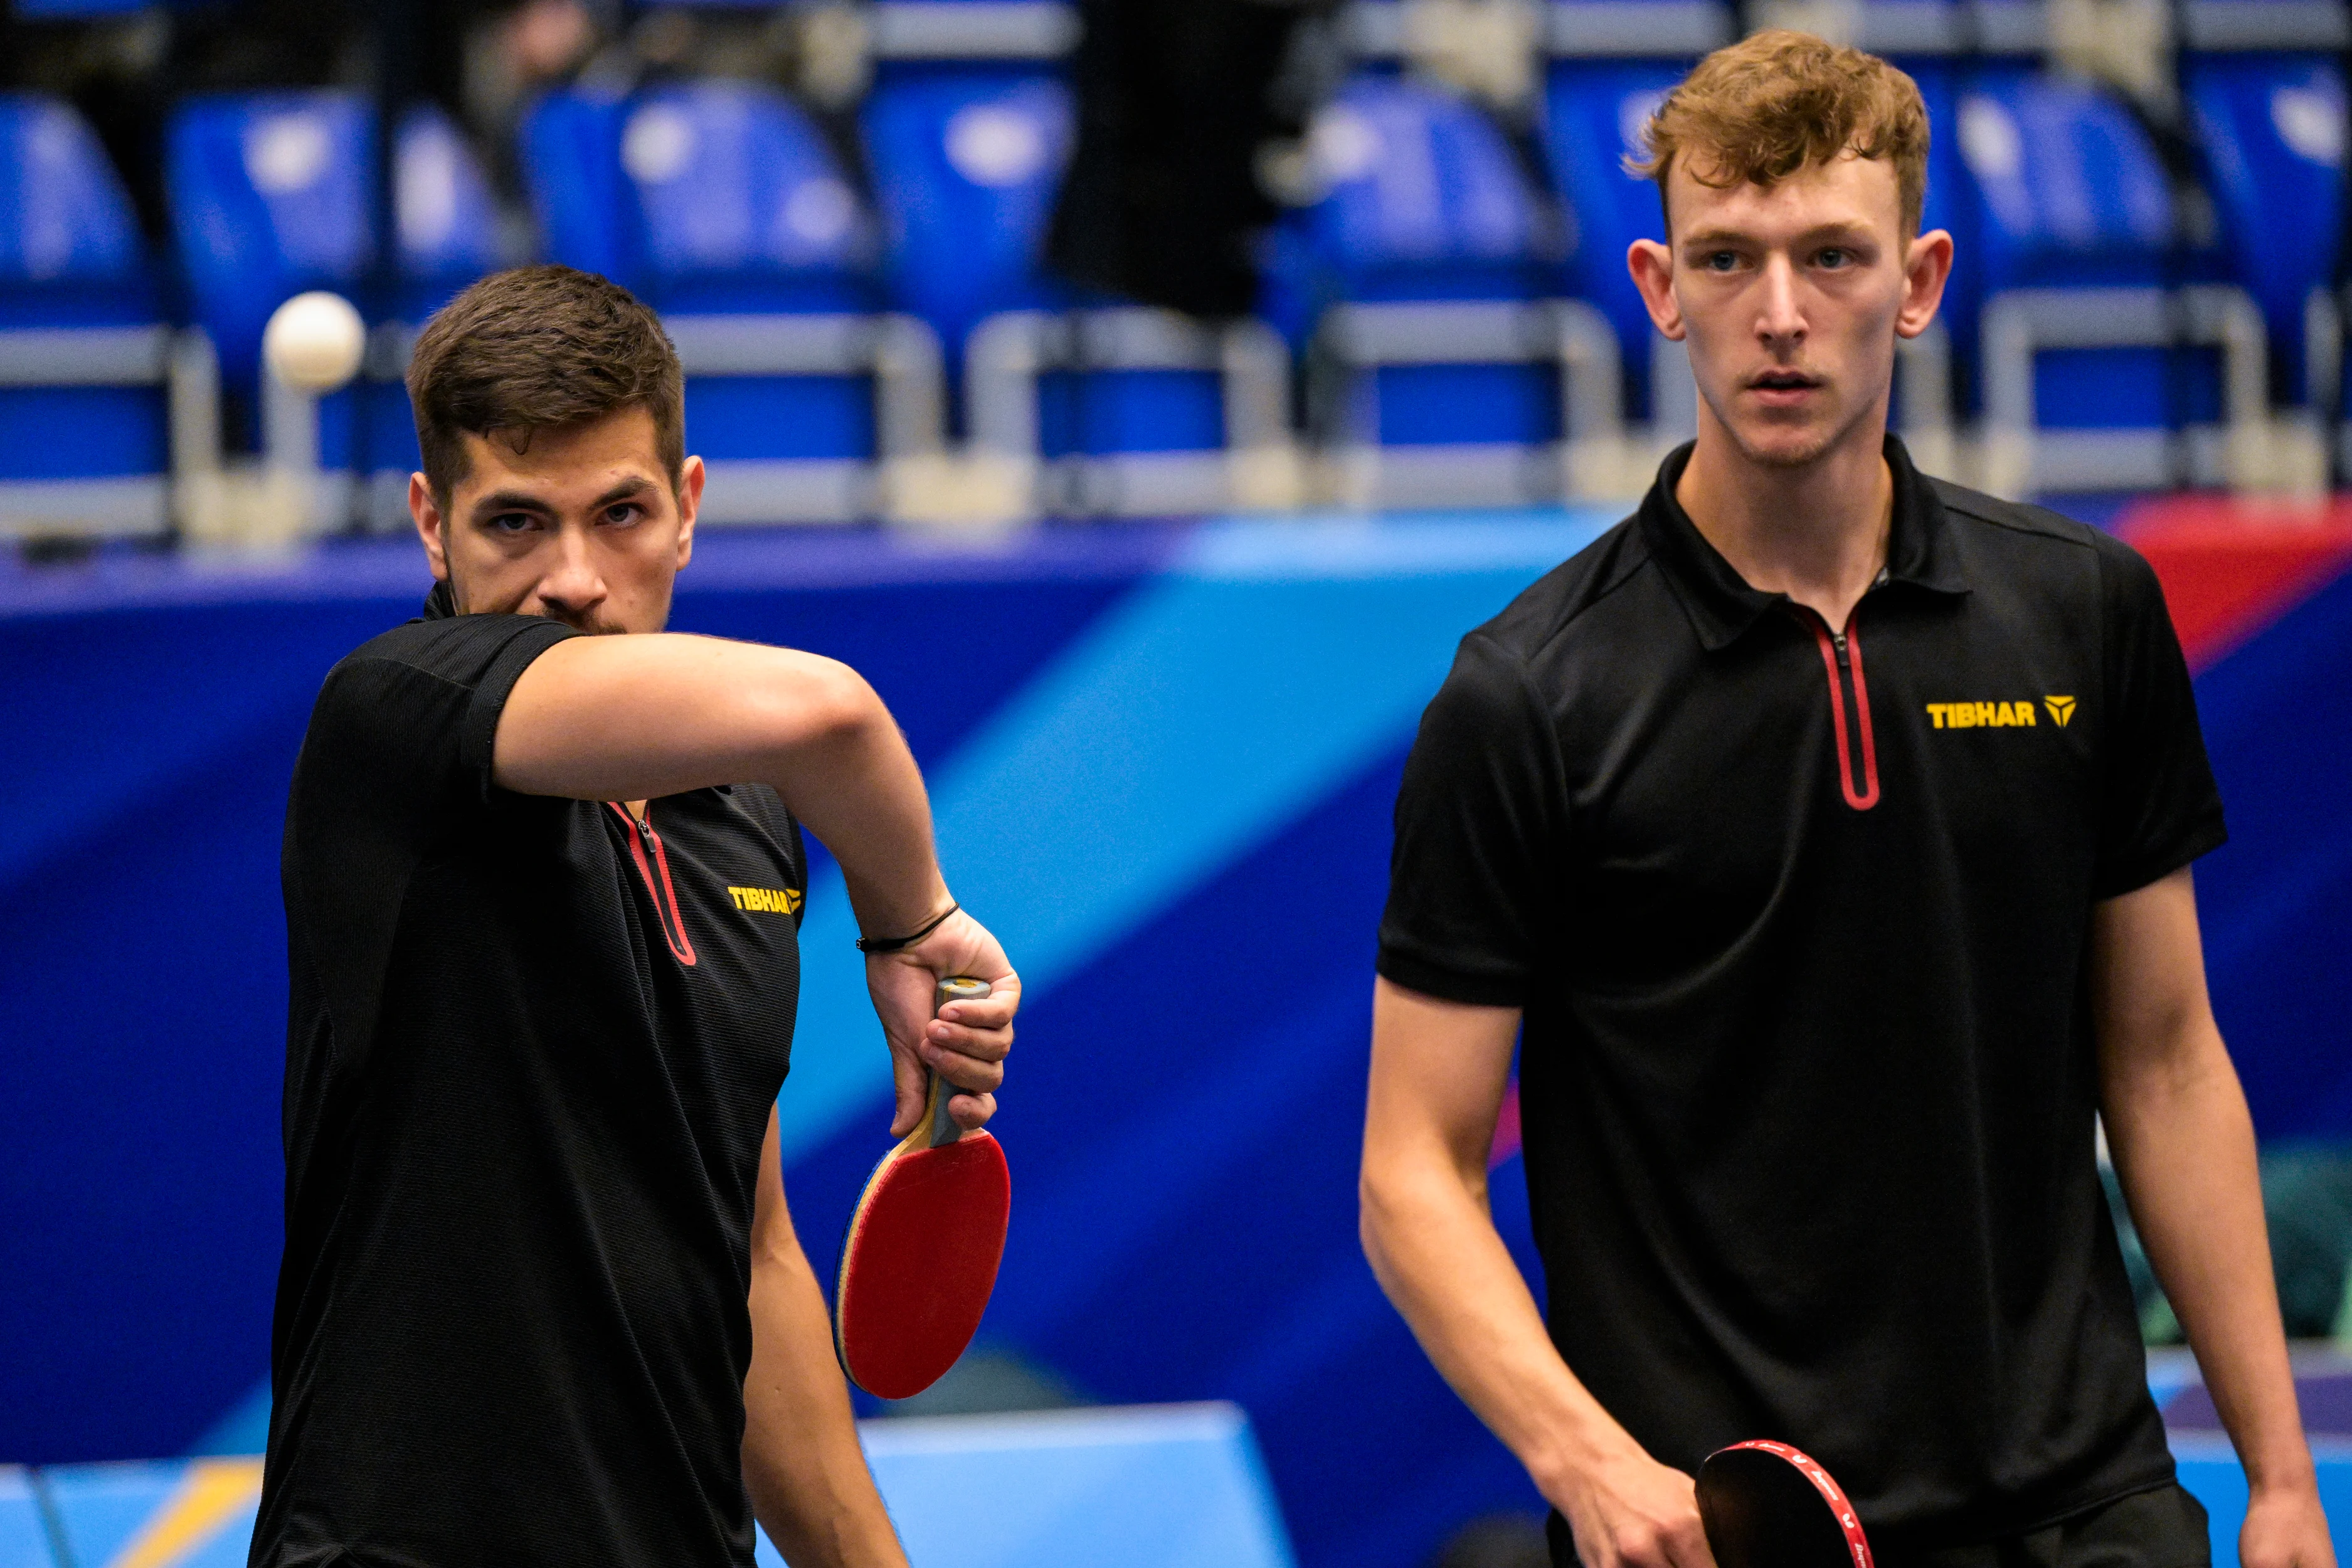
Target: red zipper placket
(1841, 657)
(666, 914)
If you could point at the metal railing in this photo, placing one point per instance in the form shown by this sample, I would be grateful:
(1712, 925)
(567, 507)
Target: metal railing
(2020, 455)
(901, 353)
(125, 506)
(1255, 468)
(1590, 458)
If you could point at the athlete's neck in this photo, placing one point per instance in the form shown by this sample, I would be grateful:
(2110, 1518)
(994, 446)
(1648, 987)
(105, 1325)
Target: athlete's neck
(1816, 532)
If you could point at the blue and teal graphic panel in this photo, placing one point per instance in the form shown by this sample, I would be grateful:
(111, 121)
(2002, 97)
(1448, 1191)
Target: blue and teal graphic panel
(1166, 1488)
(181, 1514)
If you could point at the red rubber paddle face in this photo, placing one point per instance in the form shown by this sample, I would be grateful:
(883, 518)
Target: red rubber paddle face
(1766, 1505)
(918, 1264)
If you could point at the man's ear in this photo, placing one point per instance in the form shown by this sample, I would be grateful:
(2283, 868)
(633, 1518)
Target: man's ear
(426, 512)
(691, 477)
(1926, 267)
(1653, 267)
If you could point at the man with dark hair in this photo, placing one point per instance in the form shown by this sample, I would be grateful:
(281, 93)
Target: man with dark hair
(1821, 977)
(542, 1300)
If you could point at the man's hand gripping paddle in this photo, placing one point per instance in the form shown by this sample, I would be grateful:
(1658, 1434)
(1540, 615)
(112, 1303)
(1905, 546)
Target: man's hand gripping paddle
(1765, 1505)
(924, 1242)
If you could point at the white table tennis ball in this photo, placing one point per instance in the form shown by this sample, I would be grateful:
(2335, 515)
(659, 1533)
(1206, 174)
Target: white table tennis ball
(314, 341)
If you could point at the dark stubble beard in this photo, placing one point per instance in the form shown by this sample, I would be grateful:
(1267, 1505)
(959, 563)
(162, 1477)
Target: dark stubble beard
(589, 626)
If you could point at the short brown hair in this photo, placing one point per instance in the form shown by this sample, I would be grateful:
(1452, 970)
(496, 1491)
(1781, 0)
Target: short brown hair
(537, 347)
(1757, 111)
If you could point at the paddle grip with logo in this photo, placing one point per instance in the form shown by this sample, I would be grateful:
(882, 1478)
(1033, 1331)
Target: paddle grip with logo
(954, 988)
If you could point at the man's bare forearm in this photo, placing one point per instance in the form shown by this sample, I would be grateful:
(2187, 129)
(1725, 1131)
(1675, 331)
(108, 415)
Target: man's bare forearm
(1432, 1242)
(632, 717)
(2184, 1151)
(802, 1463)
(808, 1476)
(1438, 1072)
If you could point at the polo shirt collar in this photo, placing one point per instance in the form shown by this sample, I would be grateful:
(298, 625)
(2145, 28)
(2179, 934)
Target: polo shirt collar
(1721, 603)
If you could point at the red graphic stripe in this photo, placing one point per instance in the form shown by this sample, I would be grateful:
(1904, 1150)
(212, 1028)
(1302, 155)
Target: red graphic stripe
(667, 913)
(2230, 566)
(1863, 797)
(1862, 721)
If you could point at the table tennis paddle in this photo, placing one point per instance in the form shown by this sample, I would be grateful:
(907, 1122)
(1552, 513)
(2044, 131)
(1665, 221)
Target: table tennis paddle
(1766, 1505)
(921, 1257)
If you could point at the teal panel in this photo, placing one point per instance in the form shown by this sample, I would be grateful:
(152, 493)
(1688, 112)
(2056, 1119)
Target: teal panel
(24, 1539)
(1154, 1487)
(102, 1508)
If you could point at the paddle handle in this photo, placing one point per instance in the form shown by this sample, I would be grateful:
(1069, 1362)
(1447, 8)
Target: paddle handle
(954, 988)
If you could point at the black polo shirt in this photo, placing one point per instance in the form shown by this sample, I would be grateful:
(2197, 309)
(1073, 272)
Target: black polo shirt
(1797, 920)
(530, 1056)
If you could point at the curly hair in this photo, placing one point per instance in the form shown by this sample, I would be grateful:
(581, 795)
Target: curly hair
(1759, 111)
(539, 347)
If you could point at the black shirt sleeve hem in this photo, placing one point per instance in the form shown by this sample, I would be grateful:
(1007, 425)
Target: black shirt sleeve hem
(479, 737)
(1448, 985)
(2207, 836)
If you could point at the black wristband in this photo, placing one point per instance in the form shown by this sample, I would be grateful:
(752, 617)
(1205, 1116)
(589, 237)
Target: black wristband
(893, 944)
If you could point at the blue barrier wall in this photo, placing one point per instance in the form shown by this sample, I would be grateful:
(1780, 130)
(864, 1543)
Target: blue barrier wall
(1163, 760)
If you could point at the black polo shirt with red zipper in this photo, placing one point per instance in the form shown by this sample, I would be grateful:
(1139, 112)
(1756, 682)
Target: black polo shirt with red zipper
(1797, 914)
(531, 1050)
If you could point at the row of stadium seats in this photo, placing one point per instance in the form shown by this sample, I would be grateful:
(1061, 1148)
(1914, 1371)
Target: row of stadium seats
(1456, 347)
(1001, 29)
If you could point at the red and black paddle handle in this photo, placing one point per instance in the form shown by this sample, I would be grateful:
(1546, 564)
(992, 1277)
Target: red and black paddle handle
(954, 988)
(1767, 1505)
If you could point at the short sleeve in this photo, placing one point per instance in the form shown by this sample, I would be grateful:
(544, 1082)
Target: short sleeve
(399, 750)
(1477, 824)
(421, 703)
(2159, 808)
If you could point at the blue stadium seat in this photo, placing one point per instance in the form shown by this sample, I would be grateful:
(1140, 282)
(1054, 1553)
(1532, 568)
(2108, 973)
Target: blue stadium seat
(743, 206)
(966, 162)
(272, 195)
(1427, 199)
(1447, 342)
(84, 349)
(71, 253)
(1083, 405)
(2096, 330)
(2071, 194)
(570, 145)
(1594, 112)
(2272, 132)
(721, 205)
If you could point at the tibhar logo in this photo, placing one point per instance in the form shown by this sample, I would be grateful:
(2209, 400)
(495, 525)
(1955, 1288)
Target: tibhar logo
(1982, 715)
(774, 900)
(2061, 708)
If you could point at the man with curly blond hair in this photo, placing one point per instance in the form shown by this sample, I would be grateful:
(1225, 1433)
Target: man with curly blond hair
(1820, 837)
